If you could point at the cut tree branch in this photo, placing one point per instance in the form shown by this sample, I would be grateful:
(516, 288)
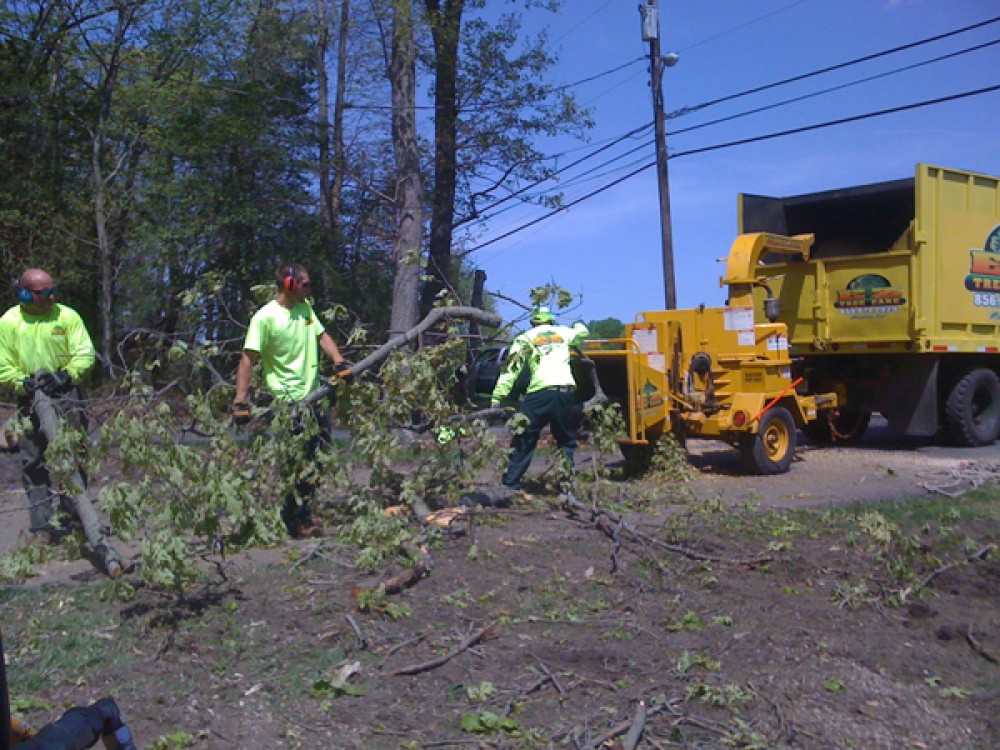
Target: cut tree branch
(434, 317)
(468, 642)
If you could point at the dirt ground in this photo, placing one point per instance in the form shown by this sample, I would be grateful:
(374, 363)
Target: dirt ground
(726, 626)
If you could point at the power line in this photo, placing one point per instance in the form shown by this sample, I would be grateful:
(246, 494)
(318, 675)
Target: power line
(741, 26)
(506, 103)
(841, 121)
(691, 109)
(838, 66)
(794, 100)
(814, 94)
(581, 22)
(543, 217)
(730, 144)
(529, 186)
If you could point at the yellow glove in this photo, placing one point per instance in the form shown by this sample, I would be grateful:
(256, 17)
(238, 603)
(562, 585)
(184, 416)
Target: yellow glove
(342, 371)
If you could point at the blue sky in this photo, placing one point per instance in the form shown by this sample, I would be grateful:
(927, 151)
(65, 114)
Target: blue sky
(607, 248)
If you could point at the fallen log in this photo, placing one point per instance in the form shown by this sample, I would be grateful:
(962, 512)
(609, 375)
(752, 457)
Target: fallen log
(97, 540)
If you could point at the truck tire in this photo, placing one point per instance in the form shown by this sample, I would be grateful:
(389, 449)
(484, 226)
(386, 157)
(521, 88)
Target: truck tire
(972, 411)
(771, 449)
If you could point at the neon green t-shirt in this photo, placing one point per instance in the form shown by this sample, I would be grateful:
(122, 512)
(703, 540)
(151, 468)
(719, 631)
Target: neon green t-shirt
(55, 341)
(288, 343)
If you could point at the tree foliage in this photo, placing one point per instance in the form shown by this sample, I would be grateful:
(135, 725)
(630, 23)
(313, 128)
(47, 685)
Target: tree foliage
(163, 157)
(147, 144)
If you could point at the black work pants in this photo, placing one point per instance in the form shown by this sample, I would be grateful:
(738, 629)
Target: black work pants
(296, 511)
(554, 407)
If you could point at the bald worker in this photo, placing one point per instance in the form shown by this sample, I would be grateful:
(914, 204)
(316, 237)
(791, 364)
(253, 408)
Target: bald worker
(44, 346)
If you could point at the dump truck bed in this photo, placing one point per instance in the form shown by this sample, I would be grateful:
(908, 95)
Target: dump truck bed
(910, 265)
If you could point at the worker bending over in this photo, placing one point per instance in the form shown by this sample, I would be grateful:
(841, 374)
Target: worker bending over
(545, 349)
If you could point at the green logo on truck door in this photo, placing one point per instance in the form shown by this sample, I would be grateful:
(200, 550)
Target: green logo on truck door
(984, 272)
(868, 295)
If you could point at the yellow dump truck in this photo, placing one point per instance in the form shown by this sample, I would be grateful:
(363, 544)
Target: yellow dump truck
(716, 373)
(895, 307)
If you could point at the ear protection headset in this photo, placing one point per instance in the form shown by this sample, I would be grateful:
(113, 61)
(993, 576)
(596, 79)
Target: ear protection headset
(290, 283)
(23, 295)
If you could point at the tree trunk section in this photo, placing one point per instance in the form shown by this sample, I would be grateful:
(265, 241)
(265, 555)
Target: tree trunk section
(339, 159)
(409, 186)
(446, 23)
(103, 245)
(99, 543)
(323, 115)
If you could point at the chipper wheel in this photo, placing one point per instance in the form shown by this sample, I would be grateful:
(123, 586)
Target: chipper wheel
(771, 449)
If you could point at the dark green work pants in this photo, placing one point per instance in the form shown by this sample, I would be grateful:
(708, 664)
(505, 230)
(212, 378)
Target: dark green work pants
(555, 407)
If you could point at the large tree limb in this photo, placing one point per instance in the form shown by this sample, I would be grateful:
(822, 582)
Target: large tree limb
(97, 540)
(433, 318)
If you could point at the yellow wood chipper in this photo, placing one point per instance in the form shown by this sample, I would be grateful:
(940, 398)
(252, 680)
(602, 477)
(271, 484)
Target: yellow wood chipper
(712, 372)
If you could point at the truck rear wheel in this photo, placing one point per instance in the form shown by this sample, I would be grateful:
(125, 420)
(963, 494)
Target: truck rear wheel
(772, 448)
(972, 411)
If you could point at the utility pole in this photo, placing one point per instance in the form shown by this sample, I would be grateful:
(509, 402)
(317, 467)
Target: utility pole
(651, 33)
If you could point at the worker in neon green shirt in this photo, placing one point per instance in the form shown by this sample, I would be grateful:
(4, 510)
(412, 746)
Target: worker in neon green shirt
(545, 349)
(285, 335)
(44, 345)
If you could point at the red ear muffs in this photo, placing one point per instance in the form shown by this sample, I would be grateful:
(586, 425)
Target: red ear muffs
(291, 284)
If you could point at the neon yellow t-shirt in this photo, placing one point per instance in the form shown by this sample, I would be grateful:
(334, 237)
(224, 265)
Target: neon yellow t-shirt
(546, 349)
(55, 341)
(288, 343)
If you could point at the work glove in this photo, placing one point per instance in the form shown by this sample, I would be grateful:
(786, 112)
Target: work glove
(30, 386)
(52, 383)
(444, 435)
(342, 371)
(241, 413)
